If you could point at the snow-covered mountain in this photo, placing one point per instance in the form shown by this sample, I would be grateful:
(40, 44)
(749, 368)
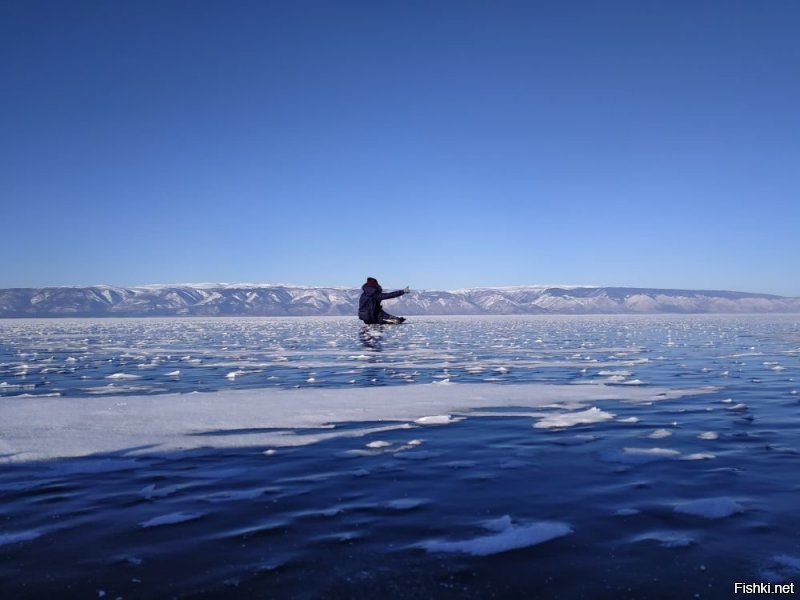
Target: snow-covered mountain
(290, 300)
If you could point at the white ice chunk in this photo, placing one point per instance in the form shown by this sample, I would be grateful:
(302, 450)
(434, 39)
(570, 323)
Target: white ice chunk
(438, 420)
(660, 433)
(378, 444)
(699, 456)
(583, 417)
(710, 508)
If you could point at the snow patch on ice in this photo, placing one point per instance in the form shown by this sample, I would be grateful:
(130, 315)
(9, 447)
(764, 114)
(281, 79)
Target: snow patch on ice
(710, 508)
(629, 420)
(122, 376)
(699, 456)
(506, 537)
(660, 434)
(43, 428)
(638, 456)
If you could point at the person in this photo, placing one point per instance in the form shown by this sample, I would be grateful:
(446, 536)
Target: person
(369, 305)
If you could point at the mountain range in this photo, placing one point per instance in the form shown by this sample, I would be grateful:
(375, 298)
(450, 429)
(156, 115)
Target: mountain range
(291, 300)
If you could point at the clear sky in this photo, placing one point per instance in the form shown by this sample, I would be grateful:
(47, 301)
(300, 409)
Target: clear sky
(436, 144)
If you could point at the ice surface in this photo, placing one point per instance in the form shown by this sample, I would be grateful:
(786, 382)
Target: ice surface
(507, 537)
(41, 428)
(710, 508)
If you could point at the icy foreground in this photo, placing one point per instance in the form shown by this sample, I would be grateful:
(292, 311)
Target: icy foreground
(42, 428)
(564, 457)
(284, 300)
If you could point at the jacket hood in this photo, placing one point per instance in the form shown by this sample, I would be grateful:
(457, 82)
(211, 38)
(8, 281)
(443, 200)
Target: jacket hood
(370, 289)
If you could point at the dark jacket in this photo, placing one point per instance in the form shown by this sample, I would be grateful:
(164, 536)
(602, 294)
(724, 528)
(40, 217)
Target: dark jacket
(369, 305)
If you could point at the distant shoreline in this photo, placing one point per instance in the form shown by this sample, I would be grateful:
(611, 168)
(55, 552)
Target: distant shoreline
(262, 300)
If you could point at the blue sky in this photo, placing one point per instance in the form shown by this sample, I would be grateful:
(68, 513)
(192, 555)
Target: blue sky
(432, 144)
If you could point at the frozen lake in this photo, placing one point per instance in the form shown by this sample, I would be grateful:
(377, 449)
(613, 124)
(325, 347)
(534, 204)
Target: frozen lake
(451, 457)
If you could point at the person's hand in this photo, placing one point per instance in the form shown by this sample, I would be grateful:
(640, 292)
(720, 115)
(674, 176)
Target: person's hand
(406, 290)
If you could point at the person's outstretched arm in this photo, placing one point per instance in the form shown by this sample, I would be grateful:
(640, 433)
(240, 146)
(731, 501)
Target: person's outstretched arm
(395, 294)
